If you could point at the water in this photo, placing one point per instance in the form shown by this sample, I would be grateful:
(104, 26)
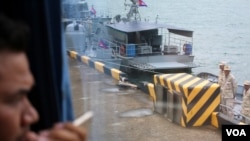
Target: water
(221, 28)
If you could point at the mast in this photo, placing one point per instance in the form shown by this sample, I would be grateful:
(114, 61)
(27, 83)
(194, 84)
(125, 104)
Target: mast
(133, 14)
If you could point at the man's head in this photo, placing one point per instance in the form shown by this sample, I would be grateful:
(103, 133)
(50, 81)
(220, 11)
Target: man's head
(16, 80)
(247, 85)
(227, 70)
(221, 65)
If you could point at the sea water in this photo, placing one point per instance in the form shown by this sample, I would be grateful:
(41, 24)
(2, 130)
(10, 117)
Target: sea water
(221, 28)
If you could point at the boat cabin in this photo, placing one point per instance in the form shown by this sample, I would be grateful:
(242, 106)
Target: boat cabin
(75, 10)
(143, 38)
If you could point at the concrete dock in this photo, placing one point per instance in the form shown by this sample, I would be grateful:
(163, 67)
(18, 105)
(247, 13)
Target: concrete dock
(123, 113)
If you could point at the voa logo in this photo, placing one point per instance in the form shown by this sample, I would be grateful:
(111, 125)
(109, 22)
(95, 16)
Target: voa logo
(236, 132)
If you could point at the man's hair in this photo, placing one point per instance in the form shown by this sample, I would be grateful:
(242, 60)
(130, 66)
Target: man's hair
(14, 35)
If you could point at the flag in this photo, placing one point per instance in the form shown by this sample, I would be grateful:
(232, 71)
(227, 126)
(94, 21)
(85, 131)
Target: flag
(142, 3)
(93, 11)
(103, 44)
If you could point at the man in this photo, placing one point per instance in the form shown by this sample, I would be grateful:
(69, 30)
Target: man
(16, 80)
(245, 108)
(228, 91)
(221, 72)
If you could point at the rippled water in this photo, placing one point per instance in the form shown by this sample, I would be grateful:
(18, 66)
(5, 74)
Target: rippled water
(221, 28)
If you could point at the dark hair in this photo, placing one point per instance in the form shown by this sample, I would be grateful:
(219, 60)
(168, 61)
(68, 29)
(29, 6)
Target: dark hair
(14, 35)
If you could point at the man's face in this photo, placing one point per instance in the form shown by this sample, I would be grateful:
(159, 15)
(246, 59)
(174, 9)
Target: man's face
(226, 72)
(246, 87)
(221, 67)
(16, 112)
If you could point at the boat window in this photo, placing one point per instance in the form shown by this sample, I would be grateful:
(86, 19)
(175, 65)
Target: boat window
(157, 40)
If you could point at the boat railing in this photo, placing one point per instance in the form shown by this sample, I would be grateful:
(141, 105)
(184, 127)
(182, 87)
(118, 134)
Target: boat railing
(131, 50)
(140, 49)
(231, 113)
(176, 46)
(105, 47)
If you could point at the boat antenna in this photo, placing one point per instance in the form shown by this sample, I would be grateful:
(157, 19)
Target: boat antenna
(156, 19)
(125, 5)
(133, 12)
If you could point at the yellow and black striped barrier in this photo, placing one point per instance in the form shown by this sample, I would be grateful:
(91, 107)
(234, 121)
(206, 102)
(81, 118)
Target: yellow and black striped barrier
(218, 119)
(148, 88)
(115, 73)
(198, 98)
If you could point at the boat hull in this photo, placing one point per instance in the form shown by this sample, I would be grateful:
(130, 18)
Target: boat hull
(159, 63)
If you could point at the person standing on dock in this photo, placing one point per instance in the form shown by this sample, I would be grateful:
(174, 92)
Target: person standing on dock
(245, 107)
(228, 91)
(221, 72)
